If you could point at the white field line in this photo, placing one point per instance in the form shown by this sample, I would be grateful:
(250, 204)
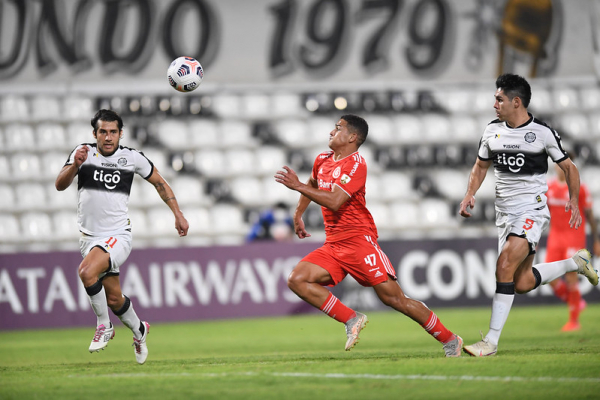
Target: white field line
(350, 376)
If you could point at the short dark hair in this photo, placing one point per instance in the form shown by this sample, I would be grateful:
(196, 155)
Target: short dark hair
(515, 86)
(106, 115)
(358, 125)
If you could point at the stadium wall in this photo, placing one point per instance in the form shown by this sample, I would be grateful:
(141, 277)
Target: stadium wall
(42, 290)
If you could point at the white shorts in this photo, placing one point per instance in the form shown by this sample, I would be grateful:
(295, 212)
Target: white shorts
(529, 225)
(118, 246)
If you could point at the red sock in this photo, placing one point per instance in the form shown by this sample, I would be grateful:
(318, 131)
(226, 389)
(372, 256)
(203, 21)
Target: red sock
(574, 300)
(560, 290)
(336, 309)
(436, 329)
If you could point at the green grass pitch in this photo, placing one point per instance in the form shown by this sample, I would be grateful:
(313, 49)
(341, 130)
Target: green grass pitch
(303, 357)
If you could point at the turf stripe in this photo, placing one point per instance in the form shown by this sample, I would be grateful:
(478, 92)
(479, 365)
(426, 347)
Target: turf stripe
(353, 376)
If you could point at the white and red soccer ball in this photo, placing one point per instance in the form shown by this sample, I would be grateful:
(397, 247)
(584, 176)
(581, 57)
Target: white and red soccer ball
(185, 74)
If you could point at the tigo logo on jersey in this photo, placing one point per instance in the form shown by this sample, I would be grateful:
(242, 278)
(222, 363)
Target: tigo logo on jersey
(110, 180)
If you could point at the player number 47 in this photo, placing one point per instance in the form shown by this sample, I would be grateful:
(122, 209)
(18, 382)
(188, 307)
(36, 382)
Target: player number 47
(371, 260)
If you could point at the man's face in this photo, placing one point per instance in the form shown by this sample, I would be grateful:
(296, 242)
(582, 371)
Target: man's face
(340, 135)
(503, 105)
(107, 137)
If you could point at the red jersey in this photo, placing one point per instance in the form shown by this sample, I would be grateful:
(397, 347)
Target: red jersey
(350, 175)
(558, 196)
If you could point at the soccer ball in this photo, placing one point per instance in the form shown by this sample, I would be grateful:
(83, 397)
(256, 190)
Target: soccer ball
(185, 74)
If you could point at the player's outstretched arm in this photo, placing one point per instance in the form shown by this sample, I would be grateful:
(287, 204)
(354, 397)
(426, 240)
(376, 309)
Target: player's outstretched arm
(476, 178)
(332, 200)
(572, 177)
(166, 194)
(68, 172)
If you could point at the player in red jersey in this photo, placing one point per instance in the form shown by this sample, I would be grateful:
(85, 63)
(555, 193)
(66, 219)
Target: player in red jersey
(564, 242)
(337, 184)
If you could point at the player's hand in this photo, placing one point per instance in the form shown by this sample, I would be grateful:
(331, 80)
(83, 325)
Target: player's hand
(300, 229)
(467, 204)
(288, 177)
(81, 155)
(181, 225)
(575, 221)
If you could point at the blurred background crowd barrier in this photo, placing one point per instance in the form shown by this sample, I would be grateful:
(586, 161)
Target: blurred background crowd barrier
(278, 74)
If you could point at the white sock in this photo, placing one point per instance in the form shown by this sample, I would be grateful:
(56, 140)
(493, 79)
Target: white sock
(553, 270)
(100, 307)
(501, 305)
(129, 318)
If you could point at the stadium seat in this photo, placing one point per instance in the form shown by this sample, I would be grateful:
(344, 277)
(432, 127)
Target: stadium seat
(161, 222)
(408, 128)
(436, 128)
(210, 163)
(574, 125)
(381, 130)
(5, 169)
(256, 105)
(373, 189)
(286, 105)
(14, 108)
(19, 137)
(189, 191)
(160, 161)
(46, 108)
(404, 215)
(236, 134)
(239, 161)
(65, 226)
(594, 123)
(396, 186)
(590, 98)
(381, 214)
(78, 108)
(25, 166)
(78, 133)
(30, 196)
(451, 183)
(436, 213)
(274, 192)
(173, 134)
(53, 162)
(200, 222)
(269, 159)
(590, 176)
(565, 99)
(227, 219)
(36, 226)
(292, 132)
(64, 200)
(465, 128)
(139, 222)
(483, 101)
(541, 101)
(227, 105)
(51, 136)
(203, 134)
(318, 132)
(7, 198)
(248, 191)
(9, 228)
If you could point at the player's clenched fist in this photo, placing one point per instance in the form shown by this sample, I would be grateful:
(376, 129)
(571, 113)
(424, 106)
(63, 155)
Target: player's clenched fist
(81, 155)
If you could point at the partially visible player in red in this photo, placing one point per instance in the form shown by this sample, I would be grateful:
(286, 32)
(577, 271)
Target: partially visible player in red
(337, 184)
(563, 242)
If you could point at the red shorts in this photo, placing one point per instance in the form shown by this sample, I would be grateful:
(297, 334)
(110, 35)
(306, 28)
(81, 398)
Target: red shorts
(358, 256)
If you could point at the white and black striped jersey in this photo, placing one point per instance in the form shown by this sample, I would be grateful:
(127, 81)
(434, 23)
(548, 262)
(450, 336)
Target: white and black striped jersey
(520, 157)
(104, 184)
